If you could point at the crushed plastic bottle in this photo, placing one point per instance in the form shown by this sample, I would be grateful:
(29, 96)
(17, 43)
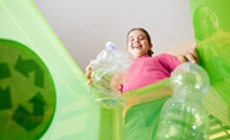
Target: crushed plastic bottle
(182, 116)
(109, 62)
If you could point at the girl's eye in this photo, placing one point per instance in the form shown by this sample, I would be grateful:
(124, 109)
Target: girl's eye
(141, 38)
(131, 39)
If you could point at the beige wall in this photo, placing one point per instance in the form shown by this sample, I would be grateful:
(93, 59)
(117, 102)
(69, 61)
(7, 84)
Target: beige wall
(180, 48)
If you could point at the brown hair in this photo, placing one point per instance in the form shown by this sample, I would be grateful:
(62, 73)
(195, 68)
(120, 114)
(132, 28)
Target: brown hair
(150, 52)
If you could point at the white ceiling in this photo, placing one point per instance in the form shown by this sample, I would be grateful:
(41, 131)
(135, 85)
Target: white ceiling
(84, 26)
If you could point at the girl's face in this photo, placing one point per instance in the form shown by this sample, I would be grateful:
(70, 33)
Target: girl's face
(138, 44)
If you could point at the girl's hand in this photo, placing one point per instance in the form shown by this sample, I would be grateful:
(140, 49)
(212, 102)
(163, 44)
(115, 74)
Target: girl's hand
(88, 73)
(189, 55)
(117, 81)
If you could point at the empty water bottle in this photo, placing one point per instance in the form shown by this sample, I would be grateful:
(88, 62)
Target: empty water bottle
(108, 63)
(182, 116)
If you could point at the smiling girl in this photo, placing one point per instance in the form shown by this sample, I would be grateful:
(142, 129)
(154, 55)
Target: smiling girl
(146, 69)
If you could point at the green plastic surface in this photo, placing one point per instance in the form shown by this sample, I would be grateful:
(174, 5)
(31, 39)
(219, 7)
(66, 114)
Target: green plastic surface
(75, 116)
(211, 22)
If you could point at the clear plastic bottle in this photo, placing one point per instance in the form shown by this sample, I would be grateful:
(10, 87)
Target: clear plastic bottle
(109, 62)
(182, 116)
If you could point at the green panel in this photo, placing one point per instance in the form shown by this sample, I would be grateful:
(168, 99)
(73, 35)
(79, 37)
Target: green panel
(141, 120)
(211, 22)
(75, 116)
(111, 127)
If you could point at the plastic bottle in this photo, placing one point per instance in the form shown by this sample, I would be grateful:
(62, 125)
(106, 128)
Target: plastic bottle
(182, 116)
(108, 63)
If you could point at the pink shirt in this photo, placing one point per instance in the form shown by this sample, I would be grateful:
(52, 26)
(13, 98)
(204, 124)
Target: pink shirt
(147, 70)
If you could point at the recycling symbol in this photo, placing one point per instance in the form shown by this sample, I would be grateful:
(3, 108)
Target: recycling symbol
(27, 93)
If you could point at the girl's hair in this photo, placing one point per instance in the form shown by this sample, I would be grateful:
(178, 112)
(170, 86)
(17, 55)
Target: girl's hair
(150, 52)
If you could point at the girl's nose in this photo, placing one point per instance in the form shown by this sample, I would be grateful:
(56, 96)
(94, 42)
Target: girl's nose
(136, 40)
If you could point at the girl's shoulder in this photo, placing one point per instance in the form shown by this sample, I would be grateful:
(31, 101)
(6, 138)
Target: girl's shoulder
(163, 56)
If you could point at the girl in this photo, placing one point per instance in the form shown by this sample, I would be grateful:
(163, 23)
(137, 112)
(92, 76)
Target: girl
(146, 69)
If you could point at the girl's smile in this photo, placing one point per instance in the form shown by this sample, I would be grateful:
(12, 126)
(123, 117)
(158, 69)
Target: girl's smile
(136, 46)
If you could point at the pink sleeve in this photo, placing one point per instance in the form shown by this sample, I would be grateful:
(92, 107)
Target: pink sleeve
(169, 61)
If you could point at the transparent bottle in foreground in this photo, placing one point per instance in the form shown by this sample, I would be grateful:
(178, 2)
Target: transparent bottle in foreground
(183, 116)
(109, 62)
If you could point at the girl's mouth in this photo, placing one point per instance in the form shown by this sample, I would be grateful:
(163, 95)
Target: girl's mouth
(137, 47)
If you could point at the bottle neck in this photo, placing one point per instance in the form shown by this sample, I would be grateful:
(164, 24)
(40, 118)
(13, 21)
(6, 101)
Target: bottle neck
(188, 95)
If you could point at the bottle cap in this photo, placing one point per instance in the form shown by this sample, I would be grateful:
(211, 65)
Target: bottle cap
(109, 46)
